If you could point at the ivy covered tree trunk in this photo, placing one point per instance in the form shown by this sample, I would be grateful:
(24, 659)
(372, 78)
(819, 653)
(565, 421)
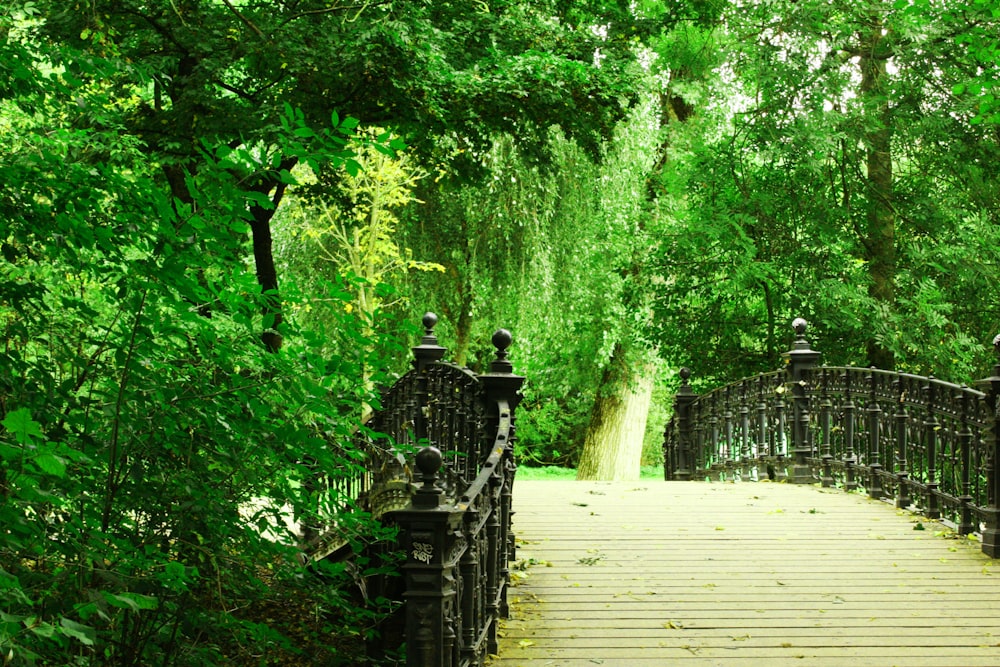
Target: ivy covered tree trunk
(613, 447)
(880, 241)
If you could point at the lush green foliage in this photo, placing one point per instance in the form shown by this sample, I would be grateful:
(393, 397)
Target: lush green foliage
(153, 450)
(773, 190)
(154, 444)
(611, 181)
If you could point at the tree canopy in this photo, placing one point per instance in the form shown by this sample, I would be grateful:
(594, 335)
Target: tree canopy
(214, 213)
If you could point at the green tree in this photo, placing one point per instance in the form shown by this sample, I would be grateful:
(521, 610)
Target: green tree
(444, 76)
(835, 160)
(148, 441)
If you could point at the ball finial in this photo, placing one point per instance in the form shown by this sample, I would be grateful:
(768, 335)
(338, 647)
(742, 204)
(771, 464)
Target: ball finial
(685, 374)
(799, 326)
(428, 461)
(429, 321)
(502, 340)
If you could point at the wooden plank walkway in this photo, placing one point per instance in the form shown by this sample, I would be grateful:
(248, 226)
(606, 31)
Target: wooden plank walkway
(692, 574)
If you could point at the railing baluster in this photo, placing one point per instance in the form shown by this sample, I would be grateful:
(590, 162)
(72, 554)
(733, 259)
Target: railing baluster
(745, 433)
(712, 451)
(495, 550)
(780, 446)
(763, 451)
(931, 426)
(965, 526)
(851, 484)
(700, 468)
(874, 423)
(900, 417)
(825, 417)
(727, 457)
(468, 569)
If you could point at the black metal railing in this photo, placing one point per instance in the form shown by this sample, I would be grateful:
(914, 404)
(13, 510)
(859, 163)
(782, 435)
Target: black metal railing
(926, 444)
(438, 462)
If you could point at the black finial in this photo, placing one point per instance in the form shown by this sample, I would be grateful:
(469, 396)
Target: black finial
(501, 341)
(799, 326)
(428, 461)
(685, 388)
(428, 351)
(429, 321)
(801, 356)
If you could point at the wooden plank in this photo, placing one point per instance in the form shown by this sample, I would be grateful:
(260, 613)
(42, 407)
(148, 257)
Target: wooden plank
(648, 573)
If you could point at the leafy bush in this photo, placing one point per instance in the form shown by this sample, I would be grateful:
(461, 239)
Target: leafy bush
(155, 455)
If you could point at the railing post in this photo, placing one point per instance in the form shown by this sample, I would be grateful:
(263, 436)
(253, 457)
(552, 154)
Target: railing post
(429, 535)
(991, 532)
(801, 359)
(424, 355)
(682, 412)
(502, 385)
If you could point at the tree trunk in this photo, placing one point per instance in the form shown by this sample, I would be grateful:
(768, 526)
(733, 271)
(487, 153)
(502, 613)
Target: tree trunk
(267, 277)
(880, 239)
(612, 449)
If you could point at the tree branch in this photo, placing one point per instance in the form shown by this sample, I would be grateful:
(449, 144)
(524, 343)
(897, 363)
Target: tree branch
(246, 21)
(331, 10)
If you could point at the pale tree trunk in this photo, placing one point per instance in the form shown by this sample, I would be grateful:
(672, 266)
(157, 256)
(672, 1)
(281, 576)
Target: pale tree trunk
(612, 450)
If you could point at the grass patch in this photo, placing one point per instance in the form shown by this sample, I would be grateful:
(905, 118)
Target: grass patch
(545, 472)
(555, 472)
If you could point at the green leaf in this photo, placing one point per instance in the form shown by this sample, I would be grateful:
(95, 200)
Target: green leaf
(20, 423)
(175, 569)
(133, 601)
(51, 464)
(41, 629)
(82, 633)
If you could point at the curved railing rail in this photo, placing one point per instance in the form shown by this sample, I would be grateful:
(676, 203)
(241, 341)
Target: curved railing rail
(926, 444)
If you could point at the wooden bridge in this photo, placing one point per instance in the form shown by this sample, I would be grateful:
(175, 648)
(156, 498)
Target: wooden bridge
(842, 558)
(693, 573)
